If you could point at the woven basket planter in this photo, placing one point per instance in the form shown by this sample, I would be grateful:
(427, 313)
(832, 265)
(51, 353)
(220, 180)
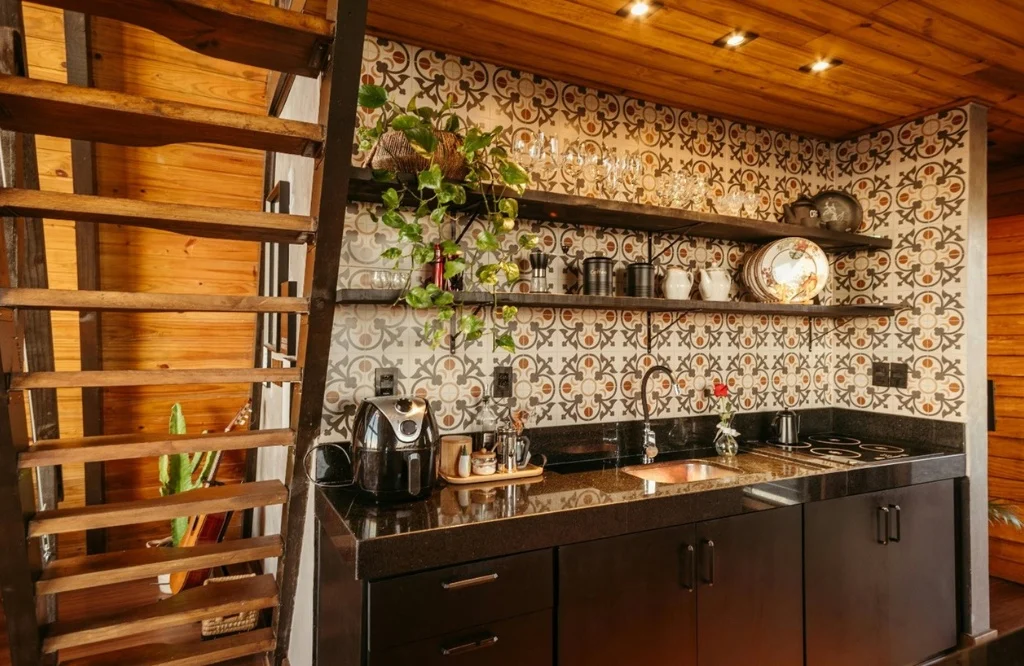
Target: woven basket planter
(229, 624)
(393, 152)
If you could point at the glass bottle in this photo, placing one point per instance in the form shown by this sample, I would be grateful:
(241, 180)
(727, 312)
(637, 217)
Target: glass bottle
(438, 266)
(487, 422)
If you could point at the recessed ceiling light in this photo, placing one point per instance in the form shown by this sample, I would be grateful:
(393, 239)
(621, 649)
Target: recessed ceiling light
(821, 65)
(735, 39)
(639, 9)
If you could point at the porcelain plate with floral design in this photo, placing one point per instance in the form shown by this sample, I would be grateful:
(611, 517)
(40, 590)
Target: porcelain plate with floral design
(790, 270)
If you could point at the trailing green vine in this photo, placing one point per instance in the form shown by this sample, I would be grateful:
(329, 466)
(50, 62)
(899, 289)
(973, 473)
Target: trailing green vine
(435, 202)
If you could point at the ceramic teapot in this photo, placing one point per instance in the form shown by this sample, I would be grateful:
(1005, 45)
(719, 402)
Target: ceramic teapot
(715, 284)
(677, 283)
(801, 212)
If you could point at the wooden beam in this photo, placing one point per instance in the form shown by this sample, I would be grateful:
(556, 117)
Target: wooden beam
(329, 201)
(133, 301)
(72, 379)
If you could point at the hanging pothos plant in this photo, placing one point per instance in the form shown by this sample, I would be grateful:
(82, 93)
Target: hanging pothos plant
(424, 211)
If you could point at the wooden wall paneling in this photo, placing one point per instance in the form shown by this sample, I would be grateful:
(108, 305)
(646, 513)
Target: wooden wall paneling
(1006, 366)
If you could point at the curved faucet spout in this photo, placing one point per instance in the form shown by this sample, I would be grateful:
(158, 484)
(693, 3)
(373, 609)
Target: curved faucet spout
(643, 388)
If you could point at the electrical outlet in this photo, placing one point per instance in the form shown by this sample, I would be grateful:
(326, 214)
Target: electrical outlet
(898, 373)
(879, 374)
(385, 381)
(503, 379)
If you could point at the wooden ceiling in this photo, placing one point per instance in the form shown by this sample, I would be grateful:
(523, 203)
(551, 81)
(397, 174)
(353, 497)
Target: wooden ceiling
(900, 57)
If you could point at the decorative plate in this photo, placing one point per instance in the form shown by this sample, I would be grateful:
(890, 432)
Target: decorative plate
(791, 270)
(839, 211)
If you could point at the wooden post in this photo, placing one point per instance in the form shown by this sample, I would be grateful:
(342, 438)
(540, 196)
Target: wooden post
(77, 40)
(339, 90)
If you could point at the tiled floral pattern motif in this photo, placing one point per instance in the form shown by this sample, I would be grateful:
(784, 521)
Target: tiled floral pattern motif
(584, 365)
(912, 182)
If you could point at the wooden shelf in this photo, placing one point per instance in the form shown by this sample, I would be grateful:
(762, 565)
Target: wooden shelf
(388, 297)
(571, 209)
(241, 31)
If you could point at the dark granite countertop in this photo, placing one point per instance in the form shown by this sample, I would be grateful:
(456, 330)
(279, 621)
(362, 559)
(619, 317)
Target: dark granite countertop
(461, 524)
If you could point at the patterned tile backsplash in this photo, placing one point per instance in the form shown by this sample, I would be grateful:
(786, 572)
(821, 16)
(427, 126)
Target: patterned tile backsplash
(585, 365)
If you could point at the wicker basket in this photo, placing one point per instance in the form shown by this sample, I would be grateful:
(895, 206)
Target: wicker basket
(229, 624)
(393, 152)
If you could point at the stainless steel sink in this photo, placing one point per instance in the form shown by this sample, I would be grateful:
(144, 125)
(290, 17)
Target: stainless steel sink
(679, 471)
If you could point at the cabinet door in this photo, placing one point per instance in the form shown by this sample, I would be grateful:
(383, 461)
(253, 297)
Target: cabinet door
(922, 573)
(846, 581)
(628, 600)
(750, 591)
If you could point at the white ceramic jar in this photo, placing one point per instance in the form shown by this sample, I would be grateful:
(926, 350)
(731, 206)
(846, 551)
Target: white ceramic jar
(677, 283)
(715, 284)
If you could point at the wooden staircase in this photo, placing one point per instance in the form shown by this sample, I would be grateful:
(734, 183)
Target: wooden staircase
(243, 31)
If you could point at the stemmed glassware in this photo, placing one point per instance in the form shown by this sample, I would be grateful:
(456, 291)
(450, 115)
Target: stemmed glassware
(733, 202)
(682, 189)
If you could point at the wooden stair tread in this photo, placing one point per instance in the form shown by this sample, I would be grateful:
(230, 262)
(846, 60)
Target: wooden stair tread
(241, 31)
(236, 647)
(215, 499)
(103, 378)
(91, 114)
(120, 447)
(205, 221)
(207, 601)
(77, 573)
(126, 301)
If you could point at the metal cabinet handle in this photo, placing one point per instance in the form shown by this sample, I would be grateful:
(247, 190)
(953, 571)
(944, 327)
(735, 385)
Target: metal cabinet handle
(883, 524)
(689, 568)
(709, 546)
(899, 524)
(470, 582)
(469, 647)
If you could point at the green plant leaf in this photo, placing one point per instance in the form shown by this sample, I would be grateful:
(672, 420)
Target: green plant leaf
(393, 219)
(528, 241)
(488, 274)
(419, 298)
(444, 298)
(453, 267)
(511, 270)
(505, 342)
(411, 232)
(391, 254)
(450, 248)
(513, 174)
(450, 192)
(383, 175)
(471, 326)
(426, 113)
(372, 97)
(423, 209)
(176, 426)
(510, 207)
(452, 124)
(445, 314)
(406, 121)
(476, 140)
(487, 242)
(431, 179)
(411, 105)
(438, 215)
(421, 254)
(508, 312)
(390, 198)
(422, 139)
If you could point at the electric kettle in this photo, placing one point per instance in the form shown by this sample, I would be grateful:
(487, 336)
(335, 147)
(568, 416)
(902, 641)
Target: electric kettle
(786, 427)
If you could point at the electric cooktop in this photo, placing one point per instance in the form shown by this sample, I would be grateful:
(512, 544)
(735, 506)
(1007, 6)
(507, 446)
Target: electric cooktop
(850, 450)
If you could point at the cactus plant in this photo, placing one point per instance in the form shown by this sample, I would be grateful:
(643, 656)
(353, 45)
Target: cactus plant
(178, 472)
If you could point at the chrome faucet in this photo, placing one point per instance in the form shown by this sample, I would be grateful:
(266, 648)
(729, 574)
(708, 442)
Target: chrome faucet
(650, 445)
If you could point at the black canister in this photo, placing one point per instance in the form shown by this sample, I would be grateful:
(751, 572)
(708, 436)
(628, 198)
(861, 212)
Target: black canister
(597, 276)
(640, 280)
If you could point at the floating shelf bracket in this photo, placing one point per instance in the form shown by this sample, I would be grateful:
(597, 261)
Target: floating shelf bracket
(652, 336)
(456, 334)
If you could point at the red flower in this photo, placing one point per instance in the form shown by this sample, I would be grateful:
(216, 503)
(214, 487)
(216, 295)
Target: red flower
(721, 390)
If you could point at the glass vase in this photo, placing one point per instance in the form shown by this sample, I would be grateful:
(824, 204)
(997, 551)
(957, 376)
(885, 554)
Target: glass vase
(726, 444)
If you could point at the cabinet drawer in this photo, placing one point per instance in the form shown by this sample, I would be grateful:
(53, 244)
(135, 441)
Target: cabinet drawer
(433, 603)
(520, 641)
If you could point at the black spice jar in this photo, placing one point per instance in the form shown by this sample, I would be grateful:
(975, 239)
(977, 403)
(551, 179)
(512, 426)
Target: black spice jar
(597, 276)
(640, 280)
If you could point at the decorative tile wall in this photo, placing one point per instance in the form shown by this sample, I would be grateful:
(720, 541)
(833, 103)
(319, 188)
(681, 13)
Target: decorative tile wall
(585, 365)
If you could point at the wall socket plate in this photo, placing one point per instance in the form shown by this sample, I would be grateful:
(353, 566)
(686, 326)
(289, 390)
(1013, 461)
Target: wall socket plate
(880, 374)
(504, 377)
(385, 381)
(898, 373)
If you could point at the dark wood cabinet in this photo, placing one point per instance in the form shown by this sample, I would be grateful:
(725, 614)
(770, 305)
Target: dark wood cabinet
(681, 596)
(749, 596)
(880, 577)
(629, 600)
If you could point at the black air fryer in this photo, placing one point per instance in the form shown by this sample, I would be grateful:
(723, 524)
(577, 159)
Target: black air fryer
(395, 445)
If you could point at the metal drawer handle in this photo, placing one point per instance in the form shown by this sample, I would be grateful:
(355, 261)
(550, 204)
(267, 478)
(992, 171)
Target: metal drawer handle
(689, 568)
(884, 518)
(899, 524)
(470, 582)
(710, 546)
(469, 647)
